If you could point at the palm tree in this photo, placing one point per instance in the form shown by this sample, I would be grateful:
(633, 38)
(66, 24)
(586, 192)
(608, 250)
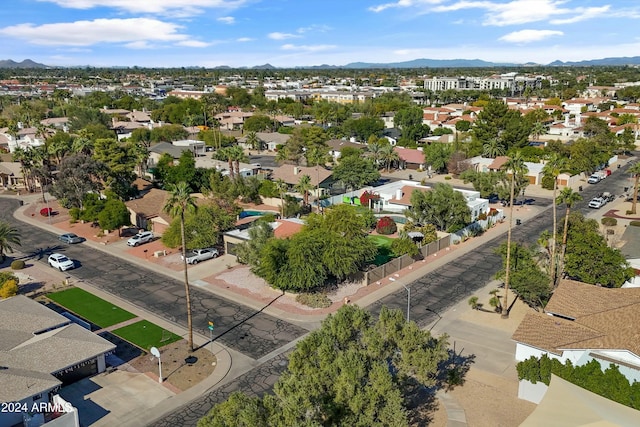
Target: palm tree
(238, 155)
(82, 144)
(388, 155)
(178, 203)
(516, 166)
(635, 171)
(304, 186)
(554, 166)
(253, 141)
(538, 129)
(282, 187)
(568, 197)
(374, 150)
(492, 149)
(26, 164)
(226, 154)
(9, 236)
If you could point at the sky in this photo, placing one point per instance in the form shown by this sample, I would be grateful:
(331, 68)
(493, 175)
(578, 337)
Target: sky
(298, 33)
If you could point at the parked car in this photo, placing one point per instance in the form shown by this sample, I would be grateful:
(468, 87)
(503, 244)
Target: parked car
(597, 203)
(198, 255)
(140, 238)
(61, 262)
(70, 238)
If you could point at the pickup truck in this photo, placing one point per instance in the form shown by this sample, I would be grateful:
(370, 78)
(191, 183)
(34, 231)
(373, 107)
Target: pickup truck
(198, 255)
(597, 202)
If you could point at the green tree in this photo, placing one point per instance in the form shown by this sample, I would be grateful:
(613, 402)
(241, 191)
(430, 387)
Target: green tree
(516, 169)
(249, 252)
(485, 182)
(493, 148)
(204, 226)
(78, 175)
(437, 156)
(353, 371)
(441, 206)
(363, 127)
(527, 280)
(404, 245)
(254, 142)
(178, 204)
(257, 123)
(388, 155)
(635, 171)
(9, 238)
(114, 215)
(355, 172)
(606, 265)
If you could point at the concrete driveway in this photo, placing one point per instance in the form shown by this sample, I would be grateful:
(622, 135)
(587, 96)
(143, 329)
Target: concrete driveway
(126, 394)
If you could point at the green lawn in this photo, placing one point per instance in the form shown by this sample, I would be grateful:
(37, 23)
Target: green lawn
(384, 249)
(90, 307)
(145, 335)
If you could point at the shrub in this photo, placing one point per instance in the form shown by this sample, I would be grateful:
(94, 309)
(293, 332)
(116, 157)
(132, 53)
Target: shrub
(609, 222)
(17, 264)
(75, 214)
(629, 212)
(447, 178)
(315, 300)
(386, 225)
(635, 223)
(8, 285)
(482, 216)
(46, 211)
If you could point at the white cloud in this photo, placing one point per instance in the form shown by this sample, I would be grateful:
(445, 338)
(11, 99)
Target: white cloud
(192, 43)
(308, 48)
(227, 20)
(503, 13)
(174, 7)
(244, 39)
(402, 4)
(141, 44)
(282, 36)
(135, 32)
(528, 36)
(313, 28)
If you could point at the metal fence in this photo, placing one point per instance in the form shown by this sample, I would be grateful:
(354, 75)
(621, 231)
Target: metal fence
(399, 263)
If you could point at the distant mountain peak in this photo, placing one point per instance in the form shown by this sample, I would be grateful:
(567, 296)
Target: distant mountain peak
(27, 63)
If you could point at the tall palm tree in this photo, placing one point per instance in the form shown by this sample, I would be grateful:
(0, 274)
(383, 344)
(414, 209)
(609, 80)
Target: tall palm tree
(567, 197)
(538, 129)
(178, 204)
(635, 171)
(388, 155)
(554, 167)
(304, 186)
(26, 164)
(9, 236)
(518, 169)
(253, 141)
(282, 187)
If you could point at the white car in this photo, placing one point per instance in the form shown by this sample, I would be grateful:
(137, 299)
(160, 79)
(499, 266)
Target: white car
(61, 262)
(140, 238)
(597, 203)
(198, 255)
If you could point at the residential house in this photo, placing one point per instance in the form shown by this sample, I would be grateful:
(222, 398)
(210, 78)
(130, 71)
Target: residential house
(246, 169)
(582, 323)
(40, 351)
(147, 212)
(336, 146)
(174, 150)
(11, 175)
(282, 229)
(411, 158)
(232, 120)
(320, 177)
(270, 140)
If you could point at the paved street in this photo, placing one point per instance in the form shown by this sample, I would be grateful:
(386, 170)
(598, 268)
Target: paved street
(257, 334)
(246, 330)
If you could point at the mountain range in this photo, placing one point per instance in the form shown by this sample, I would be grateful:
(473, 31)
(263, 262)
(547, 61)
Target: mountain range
(416, 63)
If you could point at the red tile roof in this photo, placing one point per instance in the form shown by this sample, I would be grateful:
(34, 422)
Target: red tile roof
(410, 155)
(286, 228)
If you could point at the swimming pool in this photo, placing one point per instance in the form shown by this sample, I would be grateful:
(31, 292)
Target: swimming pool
(398, 219)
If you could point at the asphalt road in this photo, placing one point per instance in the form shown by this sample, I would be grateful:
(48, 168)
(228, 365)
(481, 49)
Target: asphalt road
(241, 328)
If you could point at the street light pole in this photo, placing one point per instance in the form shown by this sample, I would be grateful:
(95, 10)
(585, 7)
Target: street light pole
(408, 300)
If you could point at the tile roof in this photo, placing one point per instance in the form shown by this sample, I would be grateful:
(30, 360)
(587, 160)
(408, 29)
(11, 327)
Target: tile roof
(410, 155)
(292, 174)
(604, 319)
(150, 205)
(407, 192)
(498, 162)
(286, 228)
